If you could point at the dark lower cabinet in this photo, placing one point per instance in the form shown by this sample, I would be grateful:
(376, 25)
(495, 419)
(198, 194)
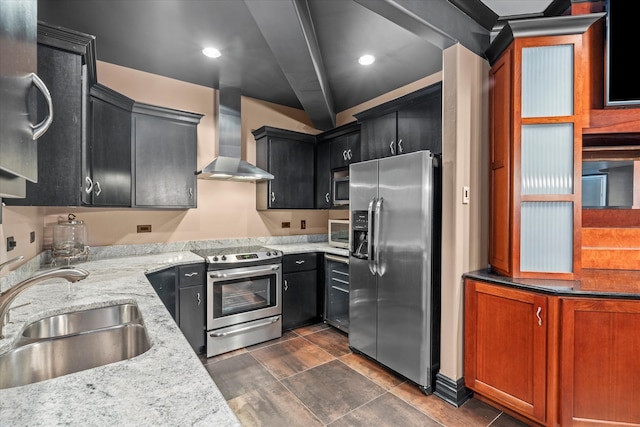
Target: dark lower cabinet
(164, 283)
(182, 291)
(301, 291)
(336, 274)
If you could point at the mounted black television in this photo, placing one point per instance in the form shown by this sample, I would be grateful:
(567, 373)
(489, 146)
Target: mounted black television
(622, 81)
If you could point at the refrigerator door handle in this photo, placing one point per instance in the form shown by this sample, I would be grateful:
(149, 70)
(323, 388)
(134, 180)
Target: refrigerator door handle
(376, 235)
(372, 267)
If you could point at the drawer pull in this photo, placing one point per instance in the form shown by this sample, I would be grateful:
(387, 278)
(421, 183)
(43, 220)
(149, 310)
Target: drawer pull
(300, 261)
(195, 273)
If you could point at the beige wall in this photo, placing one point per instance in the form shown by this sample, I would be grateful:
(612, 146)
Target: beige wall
(227, 209)
(465, 161)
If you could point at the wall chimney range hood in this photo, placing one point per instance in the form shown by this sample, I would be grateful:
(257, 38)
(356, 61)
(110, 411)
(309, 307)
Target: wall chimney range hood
(229, 166)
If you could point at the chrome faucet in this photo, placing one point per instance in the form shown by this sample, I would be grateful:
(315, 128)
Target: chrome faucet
(72, 274)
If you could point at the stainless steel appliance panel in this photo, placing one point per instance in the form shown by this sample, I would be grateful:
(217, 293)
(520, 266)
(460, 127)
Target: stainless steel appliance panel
(394, 298)
(238, 279)
(362, 283)
(403, 240)
(243, 335)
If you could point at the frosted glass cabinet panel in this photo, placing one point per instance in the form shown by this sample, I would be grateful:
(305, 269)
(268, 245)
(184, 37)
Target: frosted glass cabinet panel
(546, 237)
(547, 159)
(547, 81)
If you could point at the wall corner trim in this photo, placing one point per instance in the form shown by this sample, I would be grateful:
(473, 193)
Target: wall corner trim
(452, 391)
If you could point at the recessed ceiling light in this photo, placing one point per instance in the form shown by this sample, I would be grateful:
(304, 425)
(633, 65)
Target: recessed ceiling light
(211, 52)
(366, 59)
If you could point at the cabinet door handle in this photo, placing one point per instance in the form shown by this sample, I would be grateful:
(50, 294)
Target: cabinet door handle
(300, 261)
(89, 188)
(349, 154)
(344, 154)
(190, 193)
(198, 298)
(538, 316)
(400, 150)
(286, 285)
(195, 273)
(273, 197)
(392, 148)
(98, 190)
(326, 197)
(39, 129)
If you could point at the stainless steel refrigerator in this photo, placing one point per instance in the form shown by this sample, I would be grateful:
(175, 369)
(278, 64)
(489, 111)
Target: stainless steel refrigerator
(394, 264)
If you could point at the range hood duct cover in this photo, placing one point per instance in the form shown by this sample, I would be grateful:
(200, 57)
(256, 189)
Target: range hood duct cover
(229, 166)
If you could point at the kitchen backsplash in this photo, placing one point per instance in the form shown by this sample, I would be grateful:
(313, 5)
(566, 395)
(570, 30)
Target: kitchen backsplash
(44, 259)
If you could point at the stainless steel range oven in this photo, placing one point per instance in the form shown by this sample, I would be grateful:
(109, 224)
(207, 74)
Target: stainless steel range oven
(244, 297)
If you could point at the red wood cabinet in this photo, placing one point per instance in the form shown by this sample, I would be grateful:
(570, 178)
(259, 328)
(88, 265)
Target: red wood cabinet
(511, 349)
(600, 363)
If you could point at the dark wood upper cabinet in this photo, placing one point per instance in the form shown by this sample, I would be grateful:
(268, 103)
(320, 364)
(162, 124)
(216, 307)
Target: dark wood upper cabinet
(290, 157)
(109, 157)
(165, 143)
(410, 123)
(336, 150)
(323, 175)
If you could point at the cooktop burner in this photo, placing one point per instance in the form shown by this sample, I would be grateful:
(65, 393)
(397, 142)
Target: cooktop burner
(239, 255)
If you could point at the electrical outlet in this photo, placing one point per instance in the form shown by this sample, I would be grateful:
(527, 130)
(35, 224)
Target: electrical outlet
(286, 224)
(144, 228)
(32, 237)
(11, 243)
(303, 224)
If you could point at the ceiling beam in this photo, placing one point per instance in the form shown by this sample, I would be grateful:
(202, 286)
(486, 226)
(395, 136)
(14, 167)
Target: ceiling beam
(437, 21)
(288, 29)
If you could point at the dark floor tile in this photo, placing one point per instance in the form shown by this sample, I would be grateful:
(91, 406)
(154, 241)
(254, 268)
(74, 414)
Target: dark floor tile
(386, 410)
(472, 413)
(306, 330)
(222, 356)
(372, 370)
(286, 335)
(272, 406)
(290, 357)
(331, 340)
(332, 390)
(238, 375)
(505, 420)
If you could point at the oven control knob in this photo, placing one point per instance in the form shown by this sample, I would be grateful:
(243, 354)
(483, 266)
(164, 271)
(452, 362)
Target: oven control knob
(268, 253)
(224, 258)
(215, 259)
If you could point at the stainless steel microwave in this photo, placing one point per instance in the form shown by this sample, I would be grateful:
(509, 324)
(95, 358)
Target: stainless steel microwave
(340, 190)
(338, 233)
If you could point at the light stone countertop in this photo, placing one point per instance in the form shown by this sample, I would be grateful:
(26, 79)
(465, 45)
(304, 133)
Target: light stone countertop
(165, 386)
(294, 248)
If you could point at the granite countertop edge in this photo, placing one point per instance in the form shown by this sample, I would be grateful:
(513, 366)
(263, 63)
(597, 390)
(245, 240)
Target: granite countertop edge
(167, 385)
(564, 288)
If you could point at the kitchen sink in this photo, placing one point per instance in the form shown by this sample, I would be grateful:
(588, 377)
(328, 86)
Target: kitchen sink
(54, 357)
(83, 321)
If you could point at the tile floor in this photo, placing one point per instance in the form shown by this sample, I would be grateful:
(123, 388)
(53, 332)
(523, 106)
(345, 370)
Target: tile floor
(309, 377)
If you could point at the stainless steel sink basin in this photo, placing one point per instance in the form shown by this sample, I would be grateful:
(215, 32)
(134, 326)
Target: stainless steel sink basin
(82, 321)
(51, 358)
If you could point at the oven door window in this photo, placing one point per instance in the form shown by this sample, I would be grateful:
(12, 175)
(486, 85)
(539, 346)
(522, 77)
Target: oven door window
(243, 295)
